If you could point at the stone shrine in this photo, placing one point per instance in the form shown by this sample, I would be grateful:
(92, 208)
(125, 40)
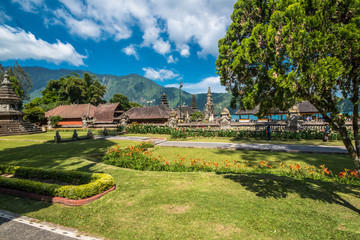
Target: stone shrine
(11, 118)
(209, 107)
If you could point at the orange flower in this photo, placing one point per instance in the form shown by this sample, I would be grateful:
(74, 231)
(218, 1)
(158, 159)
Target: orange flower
(342, 174)
(297, 166)
(216, 164)
(167, 163)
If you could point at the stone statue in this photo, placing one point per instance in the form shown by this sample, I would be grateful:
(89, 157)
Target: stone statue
(173, 119)
(57, 137)
(90, 134)
(105, 132)
(225, 118)
(187, 117)
(75, 135)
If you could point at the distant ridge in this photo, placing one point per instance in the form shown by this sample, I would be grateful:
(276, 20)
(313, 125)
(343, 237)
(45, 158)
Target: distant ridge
(136, 87)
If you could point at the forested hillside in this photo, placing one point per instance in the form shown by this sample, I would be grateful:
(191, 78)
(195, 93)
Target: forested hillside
(137, 88)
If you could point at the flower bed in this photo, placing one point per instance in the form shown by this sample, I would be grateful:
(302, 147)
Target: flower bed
(89, 184)
(140, 158)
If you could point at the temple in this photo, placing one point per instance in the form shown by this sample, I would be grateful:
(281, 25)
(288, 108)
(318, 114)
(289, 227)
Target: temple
(11, 118)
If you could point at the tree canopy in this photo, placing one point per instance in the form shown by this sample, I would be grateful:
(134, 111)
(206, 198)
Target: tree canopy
(124, 101)
(276, 53)
(74, 90)
(70, 89)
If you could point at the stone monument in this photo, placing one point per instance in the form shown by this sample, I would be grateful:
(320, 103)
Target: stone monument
(173, 119)
(225, 118)
(209, 107)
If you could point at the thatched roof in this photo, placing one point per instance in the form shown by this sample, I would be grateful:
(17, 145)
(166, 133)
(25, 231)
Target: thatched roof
(72, 111)
(146, 113)
(301, 107)
(306, 107)
(105, 113)
(184, 110)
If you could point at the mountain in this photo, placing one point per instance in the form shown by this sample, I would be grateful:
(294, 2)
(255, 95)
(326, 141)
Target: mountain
(137, 88)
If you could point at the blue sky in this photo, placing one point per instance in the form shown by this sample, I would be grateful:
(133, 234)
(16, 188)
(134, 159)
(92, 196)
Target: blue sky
(167, 41)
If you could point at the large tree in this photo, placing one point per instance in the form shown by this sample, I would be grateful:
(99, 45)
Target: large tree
(74, 90)
(124, 101)
(278, 52)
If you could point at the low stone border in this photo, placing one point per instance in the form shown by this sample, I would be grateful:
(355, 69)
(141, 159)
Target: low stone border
(51, 199)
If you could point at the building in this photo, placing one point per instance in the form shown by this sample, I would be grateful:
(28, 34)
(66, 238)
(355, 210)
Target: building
(157, 114)
(80, 115)
(72, 115)
(11, 118)
(109, 113)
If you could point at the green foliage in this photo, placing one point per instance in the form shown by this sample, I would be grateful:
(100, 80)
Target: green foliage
(91, 183)
(276, 53)
(122, 99)
(33, 114)
(74, 90)
(54, 120)
(182, 132)
(197, 116)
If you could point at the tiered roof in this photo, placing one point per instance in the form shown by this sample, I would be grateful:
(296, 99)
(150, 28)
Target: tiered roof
(7, 93)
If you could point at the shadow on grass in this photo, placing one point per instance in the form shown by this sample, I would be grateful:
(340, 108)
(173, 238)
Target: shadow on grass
(272, 186)
(67, 156)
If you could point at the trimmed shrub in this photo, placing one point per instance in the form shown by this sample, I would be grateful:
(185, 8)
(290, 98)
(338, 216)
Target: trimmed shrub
(91, 183)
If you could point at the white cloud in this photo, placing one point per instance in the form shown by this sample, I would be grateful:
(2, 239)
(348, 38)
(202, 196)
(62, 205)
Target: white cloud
(161, 74)
(76, 7)
(131, 51)
(84, 28)
(17, 44)
(163, 23)
(29, 5)
(202, 86)
(171, 59)
(162, 47)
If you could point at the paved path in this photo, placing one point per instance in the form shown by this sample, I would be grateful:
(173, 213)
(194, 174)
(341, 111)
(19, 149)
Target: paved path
(240, 146)
(258, 147)
(17, 227)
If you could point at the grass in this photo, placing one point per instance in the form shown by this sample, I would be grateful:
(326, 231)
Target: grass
(198, 205)
(243, 140)
(42, 137)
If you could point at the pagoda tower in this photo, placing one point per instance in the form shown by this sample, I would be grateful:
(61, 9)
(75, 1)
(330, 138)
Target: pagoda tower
(193, 102)
(164, 100)
(9, 101)
(209, 107)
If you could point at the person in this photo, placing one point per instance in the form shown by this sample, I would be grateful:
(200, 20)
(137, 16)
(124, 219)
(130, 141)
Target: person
(327, 131)
(268, 132)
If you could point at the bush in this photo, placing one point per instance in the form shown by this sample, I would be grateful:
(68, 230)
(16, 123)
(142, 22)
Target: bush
(54, 120)
(91, 183)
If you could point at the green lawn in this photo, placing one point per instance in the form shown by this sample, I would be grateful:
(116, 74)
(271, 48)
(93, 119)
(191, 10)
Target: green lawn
(198, 205)
(243, 140)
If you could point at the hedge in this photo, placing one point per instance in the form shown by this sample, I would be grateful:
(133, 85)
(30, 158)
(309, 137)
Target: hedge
(91, 183)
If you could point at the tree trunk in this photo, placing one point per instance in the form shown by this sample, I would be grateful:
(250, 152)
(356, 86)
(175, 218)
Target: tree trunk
(349, 147)
(355, 121)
